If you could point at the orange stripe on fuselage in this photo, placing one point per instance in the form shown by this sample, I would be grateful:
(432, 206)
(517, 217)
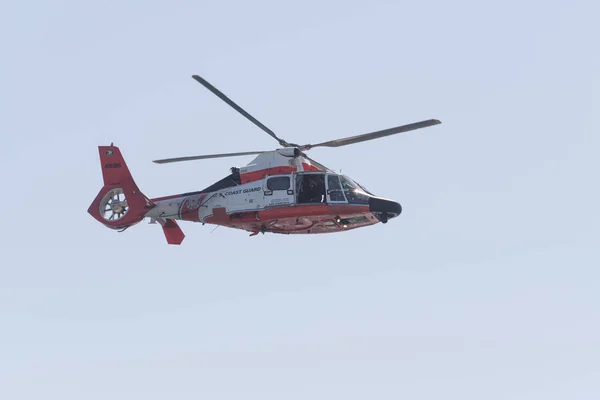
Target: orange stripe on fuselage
(280, 170)
(318, 218)
(292, 212)
(312, 210)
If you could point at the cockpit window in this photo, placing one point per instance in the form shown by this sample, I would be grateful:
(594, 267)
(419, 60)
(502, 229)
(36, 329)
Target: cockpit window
(334, 189)
(354, 192)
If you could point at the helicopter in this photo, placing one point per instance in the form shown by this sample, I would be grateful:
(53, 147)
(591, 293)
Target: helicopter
(281, 191)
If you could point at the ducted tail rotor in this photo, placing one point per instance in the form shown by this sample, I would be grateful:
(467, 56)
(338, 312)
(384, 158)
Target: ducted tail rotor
(113, 206)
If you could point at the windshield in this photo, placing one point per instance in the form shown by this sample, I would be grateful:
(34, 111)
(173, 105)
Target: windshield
(355, 184)
(364, 188)
(354, 192)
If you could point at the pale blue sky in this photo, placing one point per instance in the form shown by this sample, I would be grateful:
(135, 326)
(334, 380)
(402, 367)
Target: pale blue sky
(486, 287)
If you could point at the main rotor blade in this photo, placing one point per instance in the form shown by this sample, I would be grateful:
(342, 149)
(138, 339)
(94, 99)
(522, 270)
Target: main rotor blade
(239, 109)
(372, 135)
(203, 157)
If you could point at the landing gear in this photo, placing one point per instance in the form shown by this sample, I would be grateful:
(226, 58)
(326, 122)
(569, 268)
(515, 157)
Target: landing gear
(382, 217)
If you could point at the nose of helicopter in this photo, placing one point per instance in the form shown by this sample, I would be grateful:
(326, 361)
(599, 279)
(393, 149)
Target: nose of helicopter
(384, 209)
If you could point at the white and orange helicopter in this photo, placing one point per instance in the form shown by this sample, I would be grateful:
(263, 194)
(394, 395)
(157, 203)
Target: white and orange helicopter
(280, 191)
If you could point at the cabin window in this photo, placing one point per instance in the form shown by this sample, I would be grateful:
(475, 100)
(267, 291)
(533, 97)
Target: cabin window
(310, 188)
(278, 183)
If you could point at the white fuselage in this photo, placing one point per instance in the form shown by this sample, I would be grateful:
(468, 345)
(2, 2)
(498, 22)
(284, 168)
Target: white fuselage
(252, 196)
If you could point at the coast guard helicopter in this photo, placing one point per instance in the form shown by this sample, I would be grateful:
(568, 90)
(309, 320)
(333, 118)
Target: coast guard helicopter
(280, 191)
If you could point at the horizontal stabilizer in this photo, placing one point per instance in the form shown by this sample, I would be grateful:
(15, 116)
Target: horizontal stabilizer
(173, 232)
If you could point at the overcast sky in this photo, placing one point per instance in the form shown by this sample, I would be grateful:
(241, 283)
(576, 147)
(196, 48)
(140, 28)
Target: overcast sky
(486, 287)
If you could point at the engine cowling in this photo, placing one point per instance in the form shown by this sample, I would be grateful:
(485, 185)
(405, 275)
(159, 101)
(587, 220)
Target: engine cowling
(289, 152)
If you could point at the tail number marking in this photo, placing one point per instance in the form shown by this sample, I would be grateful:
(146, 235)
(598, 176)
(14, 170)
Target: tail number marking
(113, 165)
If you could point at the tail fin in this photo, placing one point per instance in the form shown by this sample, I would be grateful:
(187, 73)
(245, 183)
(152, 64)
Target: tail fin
(119, 204)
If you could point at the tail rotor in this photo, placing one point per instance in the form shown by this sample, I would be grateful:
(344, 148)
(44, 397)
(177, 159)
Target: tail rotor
(113, 206)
